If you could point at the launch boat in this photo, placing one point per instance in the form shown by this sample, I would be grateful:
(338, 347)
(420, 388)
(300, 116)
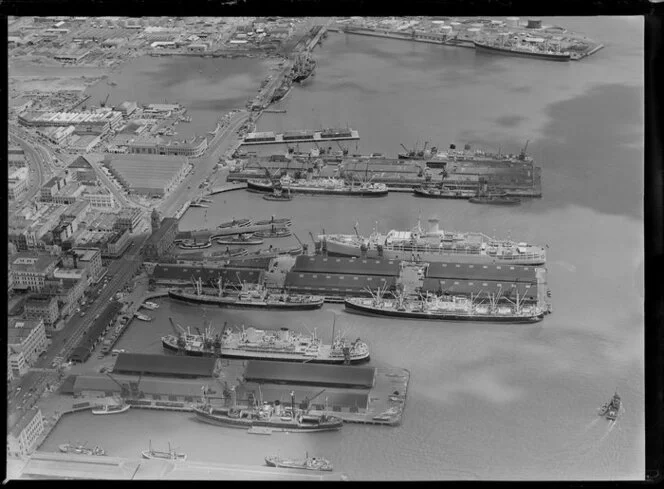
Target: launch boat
(192, 244)
(250, 296)
(435, 245)
(81, 450)
(611, 409)
(308, 463)
(112, 409)
(447, 309)
(256, 344)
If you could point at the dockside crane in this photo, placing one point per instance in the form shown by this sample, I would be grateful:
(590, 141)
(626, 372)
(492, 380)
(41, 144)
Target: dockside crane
(523, 154)
(130, 389)
(304, 246)
(103, 103)
(307, 402)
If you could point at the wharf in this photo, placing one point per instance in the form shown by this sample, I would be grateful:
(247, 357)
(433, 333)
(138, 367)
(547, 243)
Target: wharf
(316, 137)
(44, 465)
(228, 187)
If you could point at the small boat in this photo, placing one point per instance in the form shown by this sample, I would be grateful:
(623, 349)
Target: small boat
(309, 463)
(189, 244)
(240, 240)
(150, 305)
(495, 200)
(278, 197)
(112, 409)
(171, 454)
(279, 220)
(81, 450)
(197, 204)
(274, 233)
(142, 317)
(611, 409)
(235, 223)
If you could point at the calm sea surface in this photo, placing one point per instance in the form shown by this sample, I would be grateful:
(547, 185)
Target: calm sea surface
(485, 401)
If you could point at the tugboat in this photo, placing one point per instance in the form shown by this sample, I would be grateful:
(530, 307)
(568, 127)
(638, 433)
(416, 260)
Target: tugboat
(249, 297)
(142, 317)
(81, 450)
(171, 454)
(192, 244)
(278, 195)
(241, 239)
(309, 463)
(611, 409)
(112, 409)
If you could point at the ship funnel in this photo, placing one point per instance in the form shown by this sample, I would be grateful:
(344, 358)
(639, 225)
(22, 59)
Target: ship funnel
(433, 225)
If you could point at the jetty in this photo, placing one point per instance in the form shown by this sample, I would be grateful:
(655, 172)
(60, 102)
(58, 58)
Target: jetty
(293, 137)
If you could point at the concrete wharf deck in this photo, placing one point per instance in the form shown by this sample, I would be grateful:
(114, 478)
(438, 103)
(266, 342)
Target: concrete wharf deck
(317, 137)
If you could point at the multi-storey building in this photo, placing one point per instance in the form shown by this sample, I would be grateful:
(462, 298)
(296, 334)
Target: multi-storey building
(42, 307)
(27, 337)
(161, 240)
(194, 148)
(17, 364)
(22, 438)
(68, 290)
(31, 269)
(99, 197)
(130, 219)
(88, 259)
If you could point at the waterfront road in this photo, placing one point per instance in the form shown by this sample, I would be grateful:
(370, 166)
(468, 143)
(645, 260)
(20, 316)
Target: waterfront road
(120, 273)
(188, 189)
(39, 172)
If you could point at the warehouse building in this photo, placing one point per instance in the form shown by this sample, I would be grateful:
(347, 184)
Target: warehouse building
(174, 274)
(337, 285)
(340, 376)
(166, 366)
(343, 265)
(482, 288)
(467, 271)
(149, 175)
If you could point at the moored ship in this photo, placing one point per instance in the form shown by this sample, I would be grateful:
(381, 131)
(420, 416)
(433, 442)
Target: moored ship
(239, 223)
(249, 297)
(112, 408)
(322, 186)
(308, 463)
(446, 309)
(81, 449)
(247, 239)
(192, 244)
(150, 305)
(528, 48)
(494, 200)
(171, 454)
(255, 344)
(434, 245)
(304, 67)
(443, 192)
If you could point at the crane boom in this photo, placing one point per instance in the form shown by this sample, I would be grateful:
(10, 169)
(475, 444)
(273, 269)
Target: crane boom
(298, 239)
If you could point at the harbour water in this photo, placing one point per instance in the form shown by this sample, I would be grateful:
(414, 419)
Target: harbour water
(485, 401)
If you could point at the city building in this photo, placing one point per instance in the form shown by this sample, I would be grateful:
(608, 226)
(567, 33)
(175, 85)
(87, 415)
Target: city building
(149, 175)
(76, 214)
(117, 244)
(157, 146)
(88, 259)
(57, 135)
(27, 337)
(68, 291)
(16, 187)
(10, 370)
(81, 170)
(17, 364)
(42, 307)
(98, 197)
(162, 239)
(54, 185)
(197, 48)
(130, 219)
(83, 142)
(31, 269)
(69, 194)
(127, 108)
(103, 119)
(22, 438)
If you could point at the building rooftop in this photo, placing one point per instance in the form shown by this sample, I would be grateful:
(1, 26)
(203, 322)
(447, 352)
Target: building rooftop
(24, 421)
(146, 171)
(32, 262)
(340, 265)
(20, 329)
(80, 163)
(310, 374)
(131, 363)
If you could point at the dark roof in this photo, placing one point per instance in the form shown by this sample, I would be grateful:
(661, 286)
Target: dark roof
(260, 262)
(322, 281)
(81, 162)
(99, 324)
(356, 266)
(81, 354)
(281, 393)
(130, 363)
(466, 287)
(67, 386)
(186, 272)
(310, 374)
(507, 273)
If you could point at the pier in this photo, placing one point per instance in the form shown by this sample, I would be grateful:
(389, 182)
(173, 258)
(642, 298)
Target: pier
(227, 187)
(255, 138)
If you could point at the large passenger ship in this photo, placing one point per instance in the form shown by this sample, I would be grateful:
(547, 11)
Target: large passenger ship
(528, 48)
(434, 245)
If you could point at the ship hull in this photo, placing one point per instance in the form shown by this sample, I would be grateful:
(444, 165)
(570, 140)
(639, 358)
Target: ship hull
(451, 316)
(243, 423)
(485, 48)
(495, 201)
(267, 187)
(341, 249)
(115, 411)
(452, 195)
(265, 356)
(286, 464)
(229, 302)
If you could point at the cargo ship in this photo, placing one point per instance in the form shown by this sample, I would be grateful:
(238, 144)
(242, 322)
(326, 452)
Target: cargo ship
(526, 47)
(282, 90)
(249, 297)
(611, 409)
(81, 450)
(171, 454)
(452, 308)
(442, 159)
(257, 344)
(304, 67)
(432, 246)
(494, 200)
(322, 186)
(308, 463)
(274, 417)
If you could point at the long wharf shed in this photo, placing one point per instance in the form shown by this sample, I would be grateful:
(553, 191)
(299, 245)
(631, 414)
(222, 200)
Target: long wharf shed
(468, 271)
(179, 274)
(339, 285)
(340, 376)
(482, 288)
(344, 265)
(166, 366)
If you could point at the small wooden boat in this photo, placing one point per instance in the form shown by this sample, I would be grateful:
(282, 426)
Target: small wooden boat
(170, 455)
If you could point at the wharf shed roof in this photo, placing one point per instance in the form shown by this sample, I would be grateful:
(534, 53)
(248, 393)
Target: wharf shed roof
(186, 272)
(483, 287)
(281, 393)
(140, 171)
(174, 387)
(337, 282)
(164, 365)
(262, 263)
(310, 374)
(100, 324)
(342, 265)
(507, 273)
